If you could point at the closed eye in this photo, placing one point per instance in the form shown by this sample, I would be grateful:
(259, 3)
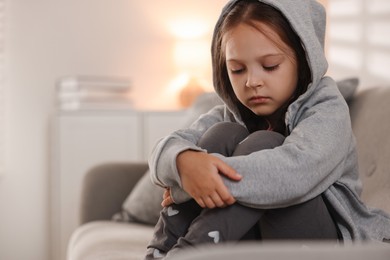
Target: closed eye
(237, 71)
(271, 68)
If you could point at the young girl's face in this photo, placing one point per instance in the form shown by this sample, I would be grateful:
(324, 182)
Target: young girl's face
(263, 74)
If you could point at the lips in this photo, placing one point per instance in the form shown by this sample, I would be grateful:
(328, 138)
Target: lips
(259, 100)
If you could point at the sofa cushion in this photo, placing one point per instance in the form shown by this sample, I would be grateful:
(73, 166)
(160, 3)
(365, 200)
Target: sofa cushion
(109, 240)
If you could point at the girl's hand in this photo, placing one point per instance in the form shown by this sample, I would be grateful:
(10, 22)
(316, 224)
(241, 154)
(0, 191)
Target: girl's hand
(200, 177)
(167, 199)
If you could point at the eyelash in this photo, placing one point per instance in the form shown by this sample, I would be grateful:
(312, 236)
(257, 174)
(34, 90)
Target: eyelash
(269, 69)
(237, 71)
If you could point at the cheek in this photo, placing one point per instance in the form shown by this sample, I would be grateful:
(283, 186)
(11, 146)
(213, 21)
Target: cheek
(236, 85)
(237, 81)
(290, 80)
(289, 88)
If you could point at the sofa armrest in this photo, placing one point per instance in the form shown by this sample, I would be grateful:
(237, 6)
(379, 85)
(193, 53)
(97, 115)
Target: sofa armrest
(105, 187)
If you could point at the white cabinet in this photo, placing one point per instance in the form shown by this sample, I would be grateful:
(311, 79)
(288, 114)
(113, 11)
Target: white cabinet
(83, 139)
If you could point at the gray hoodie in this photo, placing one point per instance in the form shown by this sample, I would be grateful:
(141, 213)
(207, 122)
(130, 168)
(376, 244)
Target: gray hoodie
(317, 157)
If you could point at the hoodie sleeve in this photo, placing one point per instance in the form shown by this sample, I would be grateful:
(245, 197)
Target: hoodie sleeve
(310, 160)
(162, 162)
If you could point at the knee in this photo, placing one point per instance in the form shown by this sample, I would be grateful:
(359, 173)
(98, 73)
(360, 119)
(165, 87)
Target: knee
(223, 131)
(224, 134)
(259, 140)
(228, 129)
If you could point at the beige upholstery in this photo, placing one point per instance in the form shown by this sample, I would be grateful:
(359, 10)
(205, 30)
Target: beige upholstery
(288, 251)
(370, 115)
(110, 240)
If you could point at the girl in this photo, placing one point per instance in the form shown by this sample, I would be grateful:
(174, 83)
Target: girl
(278, 160)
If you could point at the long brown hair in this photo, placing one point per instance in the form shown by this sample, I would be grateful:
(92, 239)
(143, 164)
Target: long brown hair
(249, 12)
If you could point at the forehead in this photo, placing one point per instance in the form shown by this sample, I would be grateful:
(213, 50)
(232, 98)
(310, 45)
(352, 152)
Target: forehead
(254, 38)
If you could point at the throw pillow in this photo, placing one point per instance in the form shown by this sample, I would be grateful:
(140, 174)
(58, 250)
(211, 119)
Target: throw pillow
(143, 203)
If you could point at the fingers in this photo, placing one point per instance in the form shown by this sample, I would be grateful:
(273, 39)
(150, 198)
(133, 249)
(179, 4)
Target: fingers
(225, 196)
(215, 200)
(200, 202)
(219, 196)
(209, 203)
(206, 202)
(167, 202)
(167, 193)
(167, 199)
(228, 171)
(201, 178)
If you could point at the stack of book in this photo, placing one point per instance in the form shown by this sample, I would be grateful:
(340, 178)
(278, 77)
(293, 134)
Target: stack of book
(93, 93)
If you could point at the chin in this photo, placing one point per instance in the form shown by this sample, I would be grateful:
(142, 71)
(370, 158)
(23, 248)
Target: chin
(260, 113)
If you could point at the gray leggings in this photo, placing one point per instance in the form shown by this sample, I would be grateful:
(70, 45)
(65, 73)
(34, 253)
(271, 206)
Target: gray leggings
(187, 224)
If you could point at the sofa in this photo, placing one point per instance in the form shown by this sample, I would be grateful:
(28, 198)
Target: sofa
(106, 232)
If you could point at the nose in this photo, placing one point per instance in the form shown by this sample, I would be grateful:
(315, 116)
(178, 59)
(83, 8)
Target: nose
(254, 79)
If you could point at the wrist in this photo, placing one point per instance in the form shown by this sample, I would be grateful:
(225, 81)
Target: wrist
(182, 158)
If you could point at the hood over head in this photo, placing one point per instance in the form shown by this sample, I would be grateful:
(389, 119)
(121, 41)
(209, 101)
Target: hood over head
(307, 19)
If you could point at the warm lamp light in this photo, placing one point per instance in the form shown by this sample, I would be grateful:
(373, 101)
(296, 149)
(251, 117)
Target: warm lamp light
(190, 92)
(187, 88)
(191, 55)
(188, 28)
